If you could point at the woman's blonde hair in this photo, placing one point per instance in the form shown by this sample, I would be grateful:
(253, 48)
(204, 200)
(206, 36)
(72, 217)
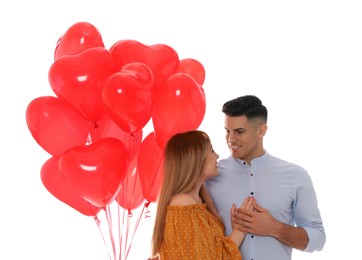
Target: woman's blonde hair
(184, 158)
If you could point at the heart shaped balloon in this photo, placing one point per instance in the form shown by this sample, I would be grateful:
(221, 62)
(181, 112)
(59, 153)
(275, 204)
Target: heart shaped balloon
(160, 58)
(55, 183)
(54, 125)
(194, 69)
(80, 36)
(128, 96)
(179, 106)
(130, 195)
(95, 171)
(78, 80)
(150, 167)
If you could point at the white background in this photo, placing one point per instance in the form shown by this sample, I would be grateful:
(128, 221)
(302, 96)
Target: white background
(302, 58)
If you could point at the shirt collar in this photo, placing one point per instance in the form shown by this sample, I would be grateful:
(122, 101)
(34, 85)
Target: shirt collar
(257, 160)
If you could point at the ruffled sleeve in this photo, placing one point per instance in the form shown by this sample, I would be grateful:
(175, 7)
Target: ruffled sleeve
(192, 232)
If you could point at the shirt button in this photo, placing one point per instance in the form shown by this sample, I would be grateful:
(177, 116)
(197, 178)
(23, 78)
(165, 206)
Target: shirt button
(252, 193)
(252, 236)
(251, 174)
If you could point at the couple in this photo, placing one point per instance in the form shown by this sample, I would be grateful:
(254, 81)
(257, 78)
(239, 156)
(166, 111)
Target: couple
(251, 206)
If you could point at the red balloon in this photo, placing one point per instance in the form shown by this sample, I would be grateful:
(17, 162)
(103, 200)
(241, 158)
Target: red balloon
(150, 167)
(179, 106)
(80, 36)
(55, 183)
(55, 126)
(106, 127)
(78, 80)
(96, 171)
(194, 69)
(130, 195)
(128, 96)
(160, 58)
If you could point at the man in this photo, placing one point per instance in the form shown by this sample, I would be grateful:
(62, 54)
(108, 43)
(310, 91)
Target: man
(286, 213)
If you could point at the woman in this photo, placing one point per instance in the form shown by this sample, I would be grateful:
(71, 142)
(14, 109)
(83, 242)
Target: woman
(187, 225)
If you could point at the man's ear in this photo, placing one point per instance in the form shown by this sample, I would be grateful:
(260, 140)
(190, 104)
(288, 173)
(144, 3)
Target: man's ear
(262, 130)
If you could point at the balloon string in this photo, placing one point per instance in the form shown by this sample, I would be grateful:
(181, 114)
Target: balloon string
(123, 223)
(136, 226)
(128, 139)
(120, 227)
(127, 142)
(109, 220)
(98, 222)
(129, 216)
(134, 187)
(157, 172)
(124, 189)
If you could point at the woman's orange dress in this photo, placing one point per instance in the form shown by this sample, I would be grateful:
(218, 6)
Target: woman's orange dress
(192, 232)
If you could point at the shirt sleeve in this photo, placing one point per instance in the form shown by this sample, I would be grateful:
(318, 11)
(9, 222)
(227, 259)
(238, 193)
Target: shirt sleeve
(192, 232)
(307, 214)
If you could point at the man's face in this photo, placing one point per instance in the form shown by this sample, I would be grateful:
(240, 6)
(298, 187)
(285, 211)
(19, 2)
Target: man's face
(244, 137)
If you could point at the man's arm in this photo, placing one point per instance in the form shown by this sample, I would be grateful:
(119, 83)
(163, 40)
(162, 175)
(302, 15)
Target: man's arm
(295, 237)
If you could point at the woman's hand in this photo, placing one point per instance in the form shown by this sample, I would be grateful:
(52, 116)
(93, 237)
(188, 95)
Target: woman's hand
(154, 258)
(248, 204)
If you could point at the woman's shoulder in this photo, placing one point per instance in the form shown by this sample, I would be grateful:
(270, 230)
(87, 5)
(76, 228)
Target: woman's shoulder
(182, 200)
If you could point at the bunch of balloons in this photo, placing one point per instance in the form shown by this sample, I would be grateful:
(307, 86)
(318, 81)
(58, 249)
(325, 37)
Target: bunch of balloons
(93, 126)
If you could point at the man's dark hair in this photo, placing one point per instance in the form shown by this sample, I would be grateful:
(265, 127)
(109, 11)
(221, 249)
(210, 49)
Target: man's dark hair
(248, 105)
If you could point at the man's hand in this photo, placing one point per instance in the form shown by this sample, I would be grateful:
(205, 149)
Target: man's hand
(258, 221)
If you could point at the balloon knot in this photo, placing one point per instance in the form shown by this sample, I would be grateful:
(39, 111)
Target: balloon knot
(96, 219)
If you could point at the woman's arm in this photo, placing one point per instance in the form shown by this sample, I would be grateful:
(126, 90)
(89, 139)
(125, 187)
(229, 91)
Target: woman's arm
(236, 235)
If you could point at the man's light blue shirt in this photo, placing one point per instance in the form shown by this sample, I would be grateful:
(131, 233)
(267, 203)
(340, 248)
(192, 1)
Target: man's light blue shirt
(283, 188)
